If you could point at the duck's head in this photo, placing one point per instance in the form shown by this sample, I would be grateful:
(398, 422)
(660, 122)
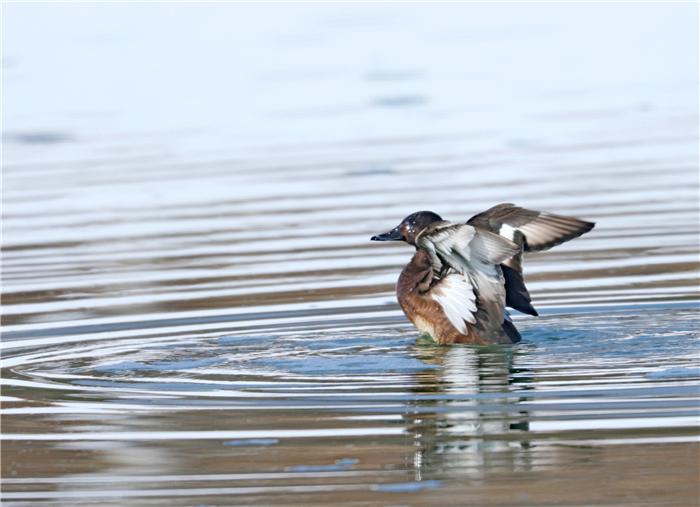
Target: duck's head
(409, 228)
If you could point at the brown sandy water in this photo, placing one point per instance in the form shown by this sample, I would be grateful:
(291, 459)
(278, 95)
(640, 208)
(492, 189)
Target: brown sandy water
(195, 316)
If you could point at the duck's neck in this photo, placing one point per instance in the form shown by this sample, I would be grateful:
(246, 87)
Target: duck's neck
(417, 274)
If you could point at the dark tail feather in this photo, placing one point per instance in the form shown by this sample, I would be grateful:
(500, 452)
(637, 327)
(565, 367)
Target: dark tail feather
(517, 296)
(510, 329)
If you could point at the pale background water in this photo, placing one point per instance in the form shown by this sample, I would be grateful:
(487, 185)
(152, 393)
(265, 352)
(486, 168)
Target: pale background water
(193, 313)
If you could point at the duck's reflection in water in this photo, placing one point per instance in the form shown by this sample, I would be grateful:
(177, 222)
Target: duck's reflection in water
(469, 422)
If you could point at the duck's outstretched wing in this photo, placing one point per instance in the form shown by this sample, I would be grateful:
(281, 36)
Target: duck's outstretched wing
(533, 231)
(468, 286)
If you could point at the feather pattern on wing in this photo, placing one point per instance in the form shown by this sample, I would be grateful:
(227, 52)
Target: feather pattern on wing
(464, 248)
(535, 230)
(456, 296)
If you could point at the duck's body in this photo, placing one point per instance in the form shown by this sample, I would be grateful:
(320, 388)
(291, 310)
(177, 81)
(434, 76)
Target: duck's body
(426, 308)
(462, 276)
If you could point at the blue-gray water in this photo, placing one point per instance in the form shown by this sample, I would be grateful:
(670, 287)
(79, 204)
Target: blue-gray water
(193, 313)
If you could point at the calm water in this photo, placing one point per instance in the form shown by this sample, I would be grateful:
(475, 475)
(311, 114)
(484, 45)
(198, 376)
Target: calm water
(193, 313)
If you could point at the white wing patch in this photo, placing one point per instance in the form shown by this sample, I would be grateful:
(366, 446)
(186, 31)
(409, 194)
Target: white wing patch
(456, 296)
(507, 231)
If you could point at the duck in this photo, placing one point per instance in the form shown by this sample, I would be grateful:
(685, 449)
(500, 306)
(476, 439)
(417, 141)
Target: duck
(464, 275)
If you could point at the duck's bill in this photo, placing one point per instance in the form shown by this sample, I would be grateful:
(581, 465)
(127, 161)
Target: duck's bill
(392, 235)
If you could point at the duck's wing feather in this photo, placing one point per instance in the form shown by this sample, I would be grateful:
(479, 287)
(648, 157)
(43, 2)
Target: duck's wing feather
(455, 294)
(535, 230)
(517, 295)
(463, 247)
(472, 293)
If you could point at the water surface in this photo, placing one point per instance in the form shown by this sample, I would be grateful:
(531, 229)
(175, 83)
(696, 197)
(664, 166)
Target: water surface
(193, 313)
